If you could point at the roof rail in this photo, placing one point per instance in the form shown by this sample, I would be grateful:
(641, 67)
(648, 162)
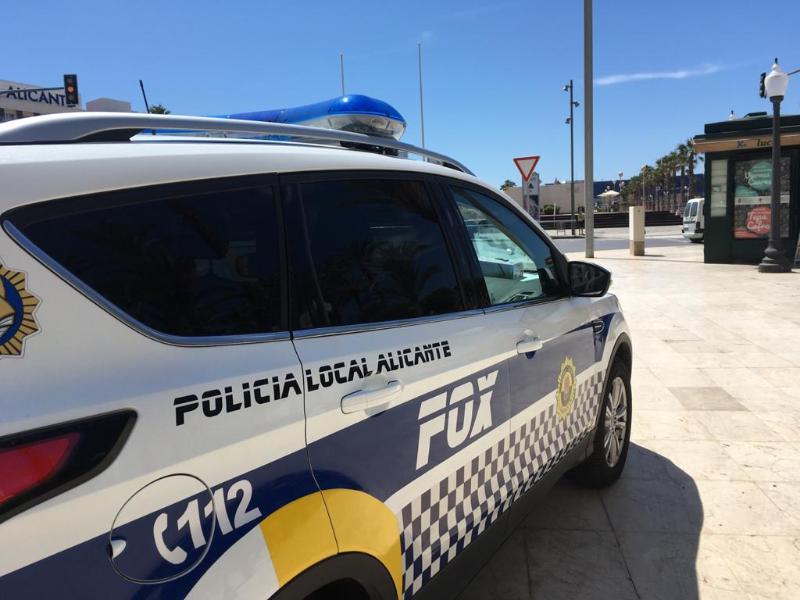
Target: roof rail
(100, 126)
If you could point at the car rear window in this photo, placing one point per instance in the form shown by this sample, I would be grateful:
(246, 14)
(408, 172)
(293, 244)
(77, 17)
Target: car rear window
(195, 264)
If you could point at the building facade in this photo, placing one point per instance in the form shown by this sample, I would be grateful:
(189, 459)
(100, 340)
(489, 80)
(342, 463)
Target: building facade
(738, 187)
(25, 100)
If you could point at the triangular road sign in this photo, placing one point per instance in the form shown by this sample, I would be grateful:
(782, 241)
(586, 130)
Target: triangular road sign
(526, 165)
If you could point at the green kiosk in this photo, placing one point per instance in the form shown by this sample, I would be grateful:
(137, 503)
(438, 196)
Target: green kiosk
(738, 187)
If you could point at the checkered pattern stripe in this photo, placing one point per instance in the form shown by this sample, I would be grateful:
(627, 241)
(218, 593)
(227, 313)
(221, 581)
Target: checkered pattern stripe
(440, 523)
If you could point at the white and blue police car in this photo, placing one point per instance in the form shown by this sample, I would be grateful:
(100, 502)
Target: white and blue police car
(281, 369)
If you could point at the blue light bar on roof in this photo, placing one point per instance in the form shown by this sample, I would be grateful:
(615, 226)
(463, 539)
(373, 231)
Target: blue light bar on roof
(354, 112)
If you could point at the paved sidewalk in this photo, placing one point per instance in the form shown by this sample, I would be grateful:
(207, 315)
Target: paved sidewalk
(709, 503)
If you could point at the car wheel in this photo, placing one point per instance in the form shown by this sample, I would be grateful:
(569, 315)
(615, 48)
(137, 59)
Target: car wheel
(613, 435)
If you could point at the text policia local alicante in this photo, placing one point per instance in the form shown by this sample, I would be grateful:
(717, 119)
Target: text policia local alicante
(232, 398)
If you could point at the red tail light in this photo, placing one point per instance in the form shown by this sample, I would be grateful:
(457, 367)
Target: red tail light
(39, 464)
(29, 465)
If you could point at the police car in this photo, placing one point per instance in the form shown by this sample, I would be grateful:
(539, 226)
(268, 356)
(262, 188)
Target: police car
(253, 369)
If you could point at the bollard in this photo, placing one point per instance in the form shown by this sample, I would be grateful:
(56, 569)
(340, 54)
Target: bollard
(636, 230)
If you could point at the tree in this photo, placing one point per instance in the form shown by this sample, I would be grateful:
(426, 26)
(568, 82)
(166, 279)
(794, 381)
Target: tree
(507, 184)
(682, 153)
(631, 190)
(159, 109)
(693, 159)
(647, 175)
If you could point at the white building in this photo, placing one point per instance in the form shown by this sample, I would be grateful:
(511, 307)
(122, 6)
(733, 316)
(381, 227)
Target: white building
(26, 101)
(557, 194)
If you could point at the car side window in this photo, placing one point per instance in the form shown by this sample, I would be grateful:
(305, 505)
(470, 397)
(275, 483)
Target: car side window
(198, 264)
(374, 251)
(517, 265)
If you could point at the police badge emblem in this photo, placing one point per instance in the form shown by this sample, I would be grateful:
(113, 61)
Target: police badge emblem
(565, 391)
(16, 312)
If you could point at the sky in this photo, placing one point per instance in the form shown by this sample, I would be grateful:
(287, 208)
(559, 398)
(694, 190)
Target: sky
(493, 71)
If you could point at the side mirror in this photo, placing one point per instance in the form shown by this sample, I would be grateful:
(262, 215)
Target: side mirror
(588, 279)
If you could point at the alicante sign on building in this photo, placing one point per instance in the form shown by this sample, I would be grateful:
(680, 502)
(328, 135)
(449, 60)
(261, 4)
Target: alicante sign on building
(28, 98)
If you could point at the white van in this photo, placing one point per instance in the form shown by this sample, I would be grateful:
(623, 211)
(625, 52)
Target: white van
(693, 220)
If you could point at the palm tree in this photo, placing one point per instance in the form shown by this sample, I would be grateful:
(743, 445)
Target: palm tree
(631, 190)
(682, 153)
(666, 167)
(646, 174)
(159, 109)
(662, 175)
(692, 159)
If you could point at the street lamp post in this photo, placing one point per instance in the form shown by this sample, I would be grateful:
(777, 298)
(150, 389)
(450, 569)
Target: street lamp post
(774, 260)
(570, 120)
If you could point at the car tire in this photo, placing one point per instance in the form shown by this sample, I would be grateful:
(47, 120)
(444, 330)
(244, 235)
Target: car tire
(605, 464)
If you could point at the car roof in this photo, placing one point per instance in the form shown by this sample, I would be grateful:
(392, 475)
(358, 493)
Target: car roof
(35, 172)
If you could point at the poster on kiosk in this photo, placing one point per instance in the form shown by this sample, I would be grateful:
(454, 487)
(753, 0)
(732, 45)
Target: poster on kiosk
(752, 197)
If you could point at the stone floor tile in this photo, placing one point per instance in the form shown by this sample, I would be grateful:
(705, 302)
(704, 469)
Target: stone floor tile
(668, 425)
(759, 399)
(741, 507)
(765, 566)
(727, 426)
(657, 505)
(791, 391)
(505, 575)
(736, 376)
(698, 460)
(644, 463)
(565, 565)
(706, 398)
(766, 461)
(786, 495)
(677, 376)
(667, 566)
(679, 335)
(693, 347)
(792, 357)
(761, 359)
(716, 360)
(569, 506)
(786, 425)
(780, 376)
(654, 396)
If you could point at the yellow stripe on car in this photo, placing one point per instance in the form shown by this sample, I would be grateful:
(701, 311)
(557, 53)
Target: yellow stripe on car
(363, 523)
(299, 535)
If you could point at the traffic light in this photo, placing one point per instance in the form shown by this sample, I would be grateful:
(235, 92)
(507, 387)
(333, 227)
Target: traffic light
(762, 91)
(71, 89)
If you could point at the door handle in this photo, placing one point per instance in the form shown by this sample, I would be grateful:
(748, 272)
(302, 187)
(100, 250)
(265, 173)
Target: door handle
(530, 345)
(367, 399)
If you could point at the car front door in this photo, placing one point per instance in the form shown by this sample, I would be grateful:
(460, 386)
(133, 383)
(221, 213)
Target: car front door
(555, 377)
(406, 395)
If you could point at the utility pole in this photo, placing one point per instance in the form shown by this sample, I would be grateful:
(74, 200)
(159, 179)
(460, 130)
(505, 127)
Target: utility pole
(588, 125)
(341, 69)
(421, 108)
(571, 121)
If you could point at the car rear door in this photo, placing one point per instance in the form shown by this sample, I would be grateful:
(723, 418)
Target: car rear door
(179, 318)
(555, 340)
(406, 395)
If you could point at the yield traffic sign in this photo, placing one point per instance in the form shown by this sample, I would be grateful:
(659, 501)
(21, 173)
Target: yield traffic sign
(526, 165)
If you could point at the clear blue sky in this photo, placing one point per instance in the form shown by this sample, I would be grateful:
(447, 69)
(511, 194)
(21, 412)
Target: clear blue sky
(493, 71)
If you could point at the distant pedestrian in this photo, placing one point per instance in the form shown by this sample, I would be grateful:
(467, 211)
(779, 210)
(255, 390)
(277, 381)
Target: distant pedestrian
(580, 217)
